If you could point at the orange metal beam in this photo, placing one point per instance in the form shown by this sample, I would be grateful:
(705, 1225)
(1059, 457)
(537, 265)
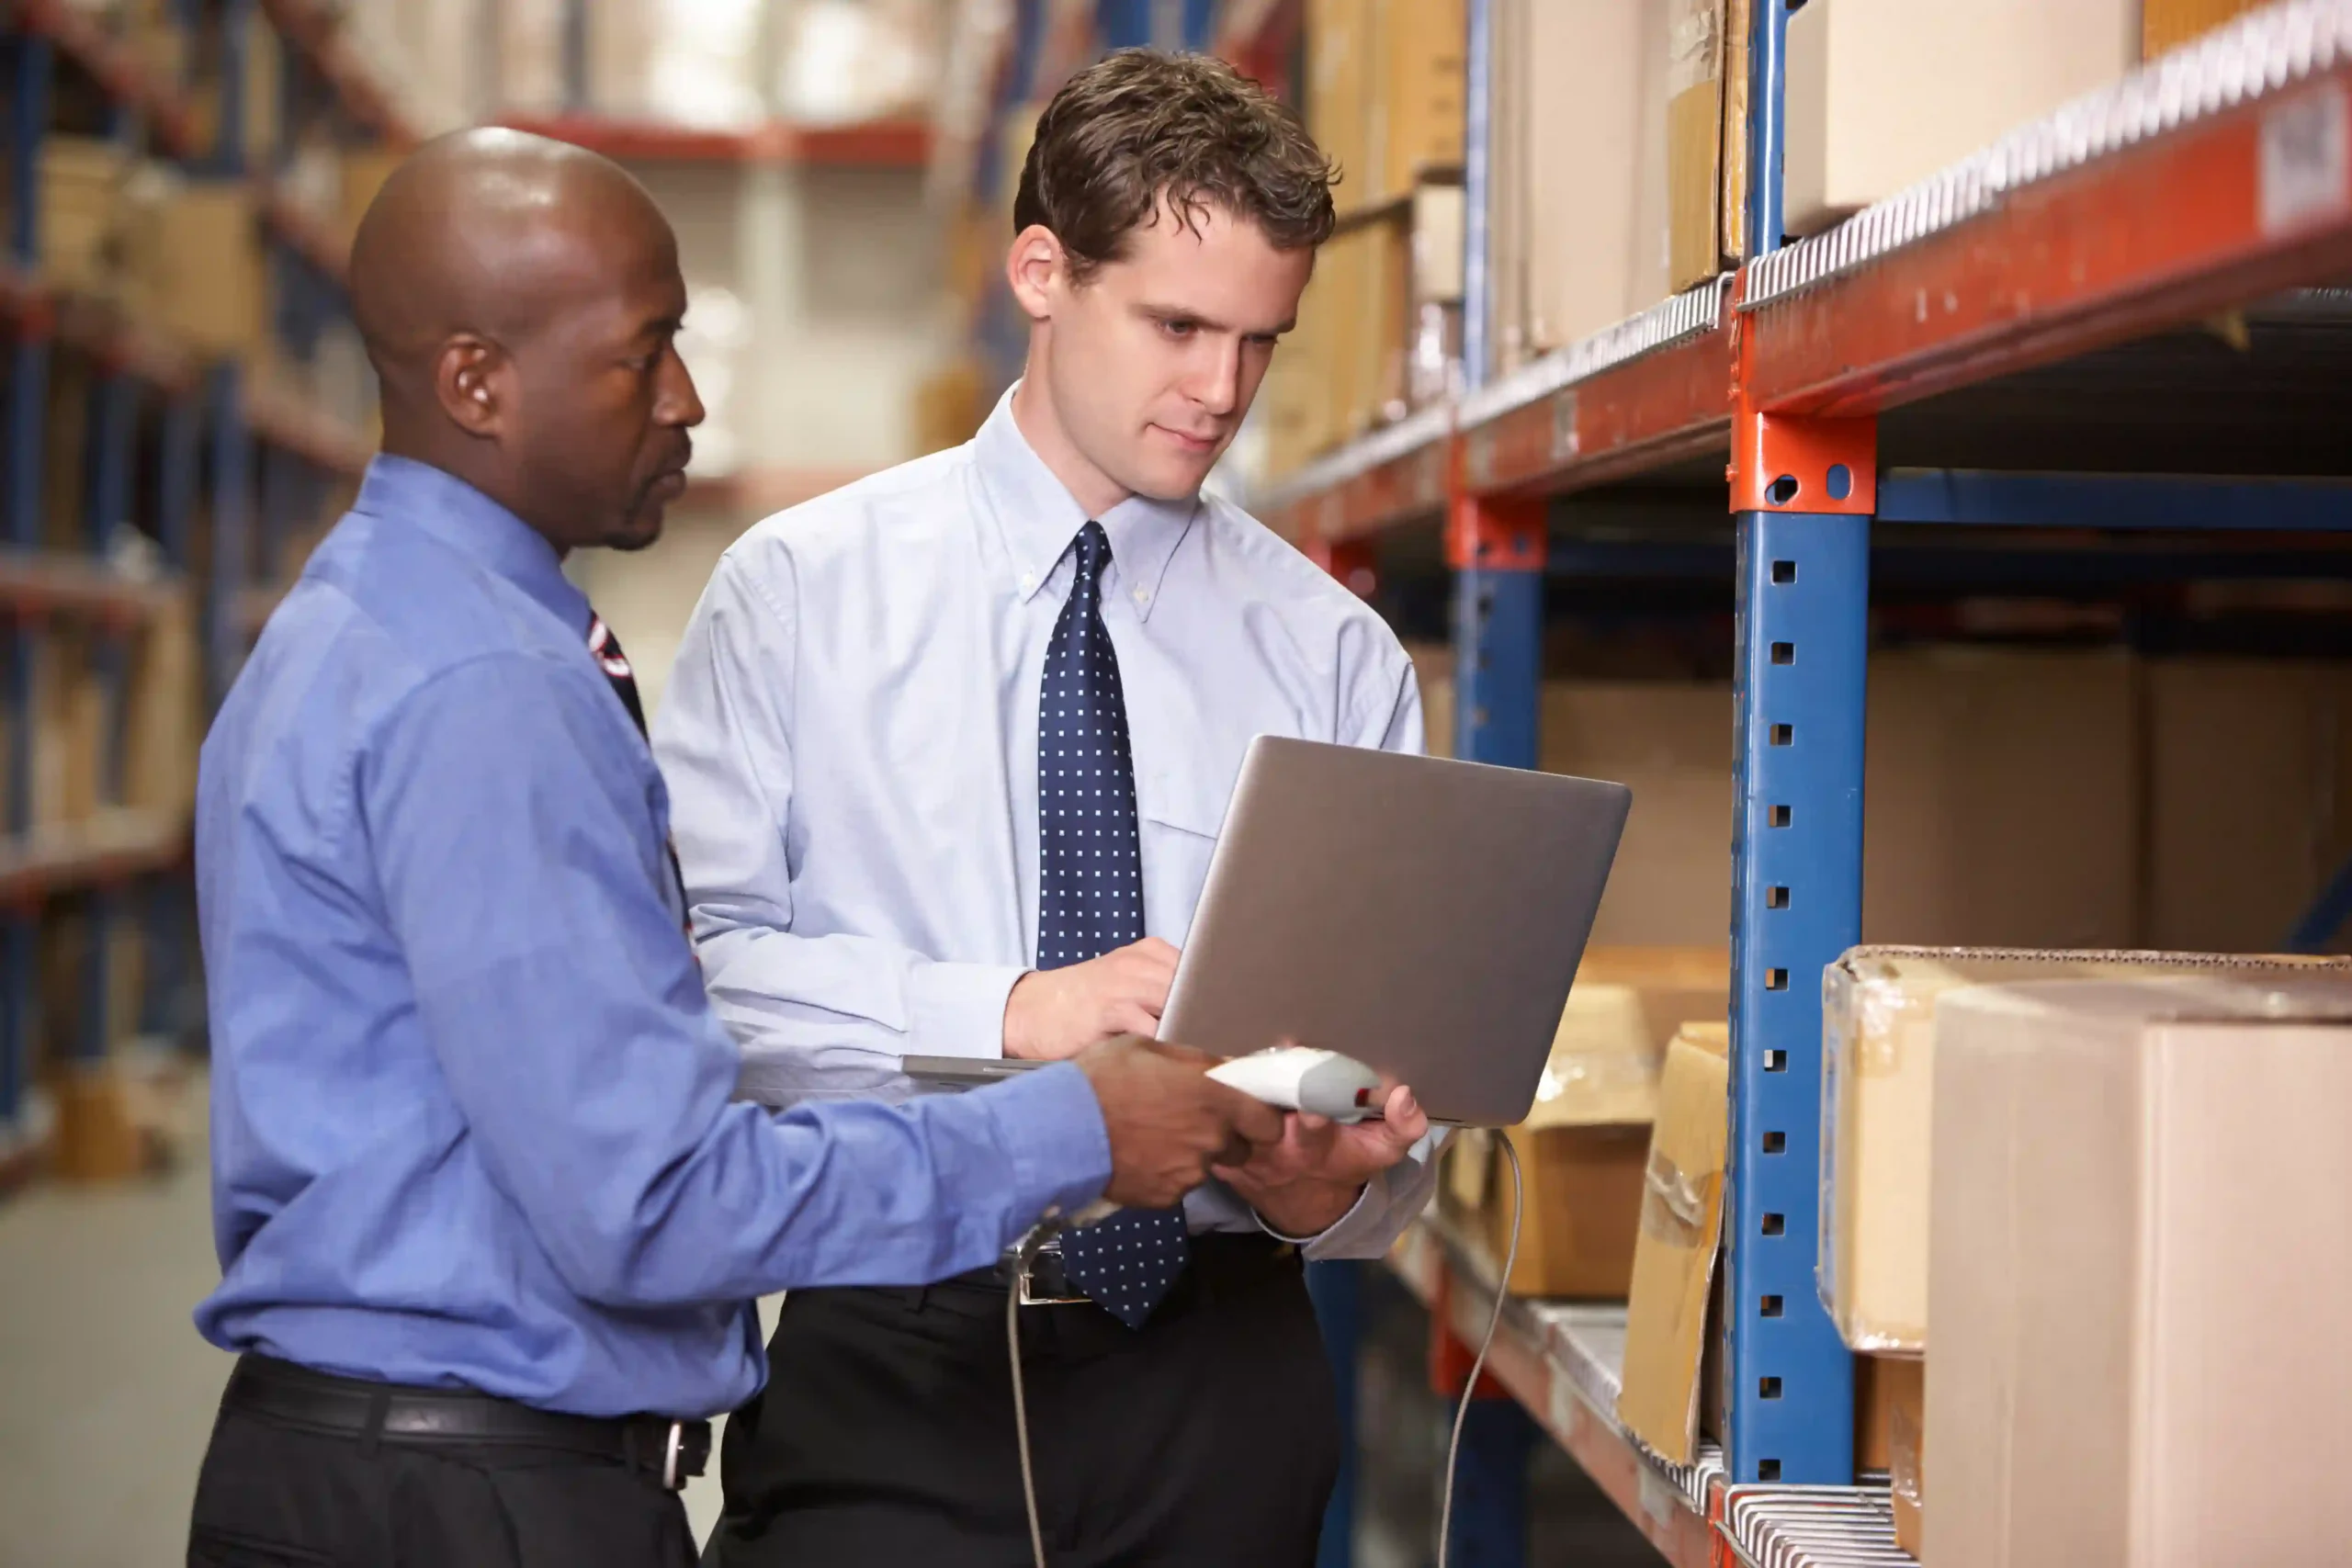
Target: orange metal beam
(2193, 221)
(1672, 403)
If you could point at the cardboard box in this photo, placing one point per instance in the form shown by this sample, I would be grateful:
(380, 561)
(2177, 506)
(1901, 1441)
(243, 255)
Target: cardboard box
(68, 732)
(2263, 746)
(1903, 1387)
(2142, 1256)
(81, 180)
(196, 259)
(165, 719)
(1674, 1256)
(1880, 1006)
(1881, 94)
(2002, 792)
(1583, 1147)
(1886, 1395)
(1694, 139)
(1673, 744)
(1580, 241)
(1418, 113)
(1584, 1208)
(2168, 24)
(2001, 796)
(1341, 58)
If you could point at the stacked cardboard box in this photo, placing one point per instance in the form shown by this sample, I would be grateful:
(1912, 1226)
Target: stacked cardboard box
(2141, 1249)
(1880, 1012)
(1584, 1148)
(1385, 92)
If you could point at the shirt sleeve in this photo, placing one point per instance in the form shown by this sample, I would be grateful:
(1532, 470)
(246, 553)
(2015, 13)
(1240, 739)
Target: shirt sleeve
(821, 1017)
(567, 1015)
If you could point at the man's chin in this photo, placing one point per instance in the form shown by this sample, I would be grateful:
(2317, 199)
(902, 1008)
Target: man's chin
(640, 531)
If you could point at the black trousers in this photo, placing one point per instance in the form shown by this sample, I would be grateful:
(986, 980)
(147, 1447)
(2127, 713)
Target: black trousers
(278, 1496)
(1208, 1438)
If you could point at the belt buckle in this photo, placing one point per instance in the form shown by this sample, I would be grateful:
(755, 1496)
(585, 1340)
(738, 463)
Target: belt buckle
(1023, 1285)
(683, 1461)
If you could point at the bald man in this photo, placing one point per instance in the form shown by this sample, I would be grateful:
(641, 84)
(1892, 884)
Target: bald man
(488, 1219)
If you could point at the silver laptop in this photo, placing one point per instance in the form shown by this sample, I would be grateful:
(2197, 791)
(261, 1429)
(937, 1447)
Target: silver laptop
(1422, 916)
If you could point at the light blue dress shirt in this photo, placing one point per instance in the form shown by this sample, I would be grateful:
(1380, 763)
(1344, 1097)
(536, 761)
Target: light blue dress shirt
(473, 1122)
(850, 736)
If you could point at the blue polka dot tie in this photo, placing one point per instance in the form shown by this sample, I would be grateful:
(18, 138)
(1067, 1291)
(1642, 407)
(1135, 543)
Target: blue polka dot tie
(1090, 895)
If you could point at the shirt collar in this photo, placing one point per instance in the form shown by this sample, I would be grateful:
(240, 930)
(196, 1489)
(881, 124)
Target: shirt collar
(1038, 518)
(459, 515)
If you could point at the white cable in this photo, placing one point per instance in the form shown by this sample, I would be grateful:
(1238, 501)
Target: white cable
(1479, 1363)
(1025, 1250)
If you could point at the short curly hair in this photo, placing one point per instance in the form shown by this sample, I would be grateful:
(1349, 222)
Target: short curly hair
(1143, 126)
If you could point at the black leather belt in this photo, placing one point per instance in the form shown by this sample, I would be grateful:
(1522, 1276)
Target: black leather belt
(673, 1451)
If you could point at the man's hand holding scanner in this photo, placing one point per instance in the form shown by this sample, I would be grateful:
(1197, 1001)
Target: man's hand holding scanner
(1308, 1181)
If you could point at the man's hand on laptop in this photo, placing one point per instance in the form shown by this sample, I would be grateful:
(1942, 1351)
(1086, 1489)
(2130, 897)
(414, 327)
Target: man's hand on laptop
(1168, 1120)
(1307, 1182)
(1056, 1013)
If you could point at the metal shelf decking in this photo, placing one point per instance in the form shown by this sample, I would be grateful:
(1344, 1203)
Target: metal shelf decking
(113, 847)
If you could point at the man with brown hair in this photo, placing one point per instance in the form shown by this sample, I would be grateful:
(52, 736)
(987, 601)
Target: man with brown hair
(949, 751)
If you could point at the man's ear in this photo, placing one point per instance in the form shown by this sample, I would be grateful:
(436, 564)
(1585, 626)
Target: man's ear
(470, 377)
(1038, 269)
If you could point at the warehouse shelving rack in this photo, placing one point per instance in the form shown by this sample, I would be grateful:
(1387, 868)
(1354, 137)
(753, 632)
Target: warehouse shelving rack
(269, 460)
(2001, 346)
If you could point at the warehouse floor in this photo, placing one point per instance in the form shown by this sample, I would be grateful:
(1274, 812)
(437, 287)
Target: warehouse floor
(106, 1394)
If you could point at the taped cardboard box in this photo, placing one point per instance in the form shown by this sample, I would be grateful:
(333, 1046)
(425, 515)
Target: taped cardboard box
(2143, 1245)
(1674, 1255)
(1583, 1148)
(1879, 1045)
(1881, 94)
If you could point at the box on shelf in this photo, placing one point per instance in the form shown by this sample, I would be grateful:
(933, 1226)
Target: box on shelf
(1674, 1255)
(1583, 1147)
(69, 734)
(1880, 1006)
(165, 719)
(2001, 795)
(80, 183)
(1579, 221)
(1881, 94)
(1697, 57)
(1907, 1447)
(1417, 112)
(1886, 1393)
(2168, 24)
(1672, 743)
(2249, 795)
(2142, 1252)
(195, 258)
(1341, 53)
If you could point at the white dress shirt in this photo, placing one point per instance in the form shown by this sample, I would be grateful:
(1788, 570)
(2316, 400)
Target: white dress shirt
(849, 740)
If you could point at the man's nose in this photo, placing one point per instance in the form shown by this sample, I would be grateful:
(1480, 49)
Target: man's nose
(679, 404)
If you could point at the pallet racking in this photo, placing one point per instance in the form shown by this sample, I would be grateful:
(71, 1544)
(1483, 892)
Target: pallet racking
(216, 469)
(2014, 343)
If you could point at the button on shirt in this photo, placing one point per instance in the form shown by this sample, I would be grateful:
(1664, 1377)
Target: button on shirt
(850, 734)
(472, 1116)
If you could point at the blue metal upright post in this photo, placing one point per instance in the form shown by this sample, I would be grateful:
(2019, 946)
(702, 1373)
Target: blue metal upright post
(1803, 617)
(1797, 897)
